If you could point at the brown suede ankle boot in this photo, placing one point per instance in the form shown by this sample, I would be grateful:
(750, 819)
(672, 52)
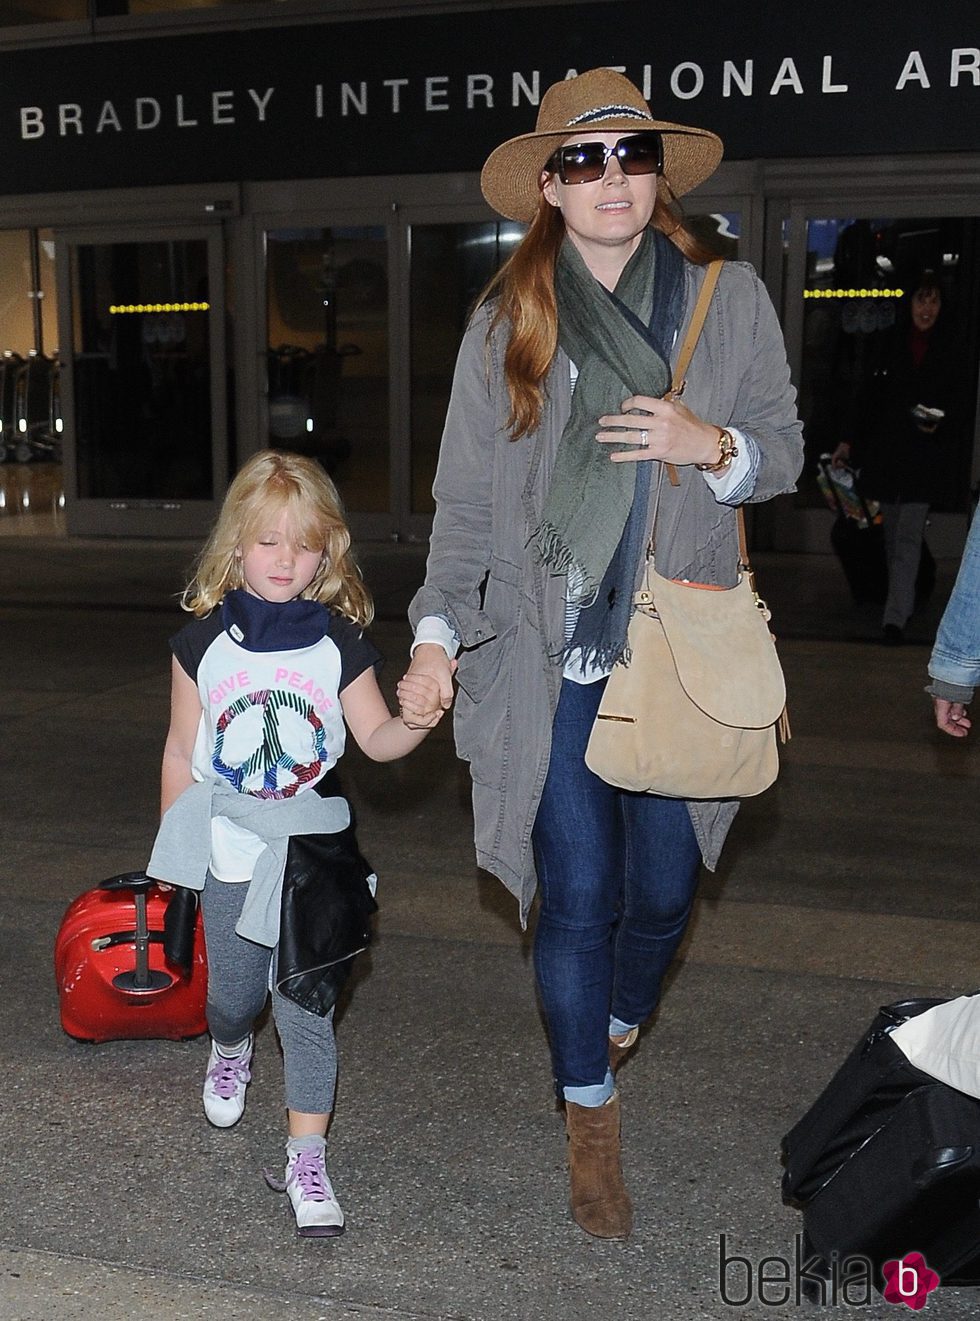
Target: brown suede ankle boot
(600, 1202)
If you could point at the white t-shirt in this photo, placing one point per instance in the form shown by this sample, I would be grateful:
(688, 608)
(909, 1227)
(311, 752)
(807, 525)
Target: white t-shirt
(269, 677)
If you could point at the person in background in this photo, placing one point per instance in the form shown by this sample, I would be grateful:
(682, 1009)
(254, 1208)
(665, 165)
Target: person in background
(902, 442)
(557, 429)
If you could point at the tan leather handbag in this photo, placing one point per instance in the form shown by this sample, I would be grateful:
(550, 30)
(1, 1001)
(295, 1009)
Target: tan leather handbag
(695, 712)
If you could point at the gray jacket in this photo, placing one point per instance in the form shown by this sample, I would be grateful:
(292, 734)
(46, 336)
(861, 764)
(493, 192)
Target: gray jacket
(508, 609)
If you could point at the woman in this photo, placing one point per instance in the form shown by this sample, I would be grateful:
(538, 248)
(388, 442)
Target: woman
(538, 539)
(906, 421)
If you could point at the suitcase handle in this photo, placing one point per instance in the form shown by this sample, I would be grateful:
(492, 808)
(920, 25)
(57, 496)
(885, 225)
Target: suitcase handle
(142, 978)
(937, 1162)
(137, 881)
(124, 938)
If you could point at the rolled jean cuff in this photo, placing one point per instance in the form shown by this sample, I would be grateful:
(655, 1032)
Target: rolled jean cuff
(617, 1028)
(595, 1095)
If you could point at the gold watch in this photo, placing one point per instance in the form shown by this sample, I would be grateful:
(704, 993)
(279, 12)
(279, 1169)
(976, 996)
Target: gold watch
(727, 450)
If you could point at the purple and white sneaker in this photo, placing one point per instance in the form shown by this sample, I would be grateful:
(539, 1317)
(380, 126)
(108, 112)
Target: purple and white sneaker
(317, 1211)
(225, 1083)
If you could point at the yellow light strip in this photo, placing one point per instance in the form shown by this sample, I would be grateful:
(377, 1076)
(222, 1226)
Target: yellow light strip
(119, 309)
(853, 293)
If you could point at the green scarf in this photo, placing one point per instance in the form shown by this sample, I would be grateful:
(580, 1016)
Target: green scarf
(606, 336)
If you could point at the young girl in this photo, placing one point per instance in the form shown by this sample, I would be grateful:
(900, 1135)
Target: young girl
(264, 679)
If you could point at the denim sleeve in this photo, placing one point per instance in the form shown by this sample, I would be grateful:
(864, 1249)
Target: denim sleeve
(955, 657)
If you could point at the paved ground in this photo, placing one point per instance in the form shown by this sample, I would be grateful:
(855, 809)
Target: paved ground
(849, 884)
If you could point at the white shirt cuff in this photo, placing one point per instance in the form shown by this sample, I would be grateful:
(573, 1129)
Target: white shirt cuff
(736, 472)
(435, 628)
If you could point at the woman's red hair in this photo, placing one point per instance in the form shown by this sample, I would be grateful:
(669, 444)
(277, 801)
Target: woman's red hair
(524, 290)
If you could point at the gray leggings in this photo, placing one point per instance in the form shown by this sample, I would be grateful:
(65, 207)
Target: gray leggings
(238, 983)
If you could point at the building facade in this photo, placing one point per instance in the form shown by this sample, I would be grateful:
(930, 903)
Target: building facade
(230, 226)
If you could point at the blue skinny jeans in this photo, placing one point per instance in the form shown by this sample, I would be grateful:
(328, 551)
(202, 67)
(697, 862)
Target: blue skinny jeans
(617, 873)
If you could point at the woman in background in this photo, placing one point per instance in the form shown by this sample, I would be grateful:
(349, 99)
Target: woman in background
(902, 443)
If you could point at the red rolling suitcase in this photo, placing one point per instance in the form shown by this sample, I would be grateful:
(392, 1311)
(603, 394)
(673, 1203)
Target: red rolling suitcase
(114, 979)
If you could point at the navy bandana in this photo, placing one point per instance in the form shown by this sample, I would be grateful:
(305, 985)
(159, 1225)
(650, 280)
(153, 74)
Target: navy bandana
(259, 625)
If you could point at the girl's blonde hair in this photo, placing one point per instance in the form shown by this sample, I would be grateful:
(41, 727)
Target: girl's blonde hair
(524, 290)
(271, 482)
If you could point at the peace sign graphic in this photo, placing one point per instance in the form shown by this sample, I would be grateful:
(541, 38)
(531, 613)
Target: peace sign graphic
(282, 775)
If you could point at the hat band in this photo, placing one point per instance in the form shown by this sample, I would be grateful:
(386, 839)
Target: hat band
(609, 112)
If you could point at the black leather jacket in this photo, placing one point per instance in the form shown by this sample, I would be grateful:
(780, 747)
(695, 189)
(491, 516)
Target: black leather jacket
(325, 917)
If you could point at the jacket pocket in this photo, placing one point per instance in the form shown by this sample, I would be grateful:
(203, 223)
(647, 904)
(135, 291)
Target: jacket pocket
(481, 714)
(479, 668)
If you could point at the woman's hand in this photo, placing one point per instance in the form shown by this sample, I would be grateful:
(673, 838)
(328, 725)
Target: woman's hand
(951, 717)
(420, 701)
(423, 704)
(665, 429)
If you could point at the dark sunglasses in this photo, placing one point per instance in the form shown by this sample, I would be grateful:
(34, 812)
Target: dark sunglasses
(585, 162)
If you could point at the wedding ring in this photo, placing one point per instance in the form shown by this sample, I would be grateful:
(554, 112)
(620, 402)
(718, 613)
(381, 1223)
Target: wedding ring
(644, 438)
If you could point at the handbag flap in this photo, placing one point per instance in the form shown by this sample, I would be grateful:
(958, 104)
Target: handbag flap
(723, 651)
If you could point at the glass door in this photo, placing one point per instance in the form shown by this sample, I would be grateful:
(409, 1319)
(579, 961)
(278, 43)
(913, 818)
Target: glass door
(363, 316)
(450, 262)
(860, 275)
(143, 380)
(326, 357)
(32, 498)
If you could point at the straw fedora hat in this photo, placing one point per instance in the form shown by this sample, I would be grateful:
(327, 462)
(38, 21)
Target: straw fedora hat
(599, 101)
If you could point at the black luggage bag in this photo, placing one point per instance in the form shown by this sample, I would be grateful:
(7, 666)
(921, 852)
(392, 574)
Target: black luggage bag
(857, 540)
(861, 552)
(860, 547)
(887, 1162)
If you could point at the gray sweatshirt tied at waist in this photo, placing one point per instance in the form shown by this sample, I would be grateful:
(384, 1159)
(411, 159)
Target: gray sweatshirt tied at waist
(182, 849)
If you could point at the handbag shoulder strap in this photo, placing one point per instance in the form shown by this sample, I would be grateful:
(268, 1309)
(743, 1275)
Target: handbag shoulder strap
(694, 328)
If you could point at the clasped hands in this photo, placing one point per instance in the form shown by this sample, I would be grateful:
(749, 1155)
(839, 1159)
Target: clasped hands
(663, 429)
(425, 691)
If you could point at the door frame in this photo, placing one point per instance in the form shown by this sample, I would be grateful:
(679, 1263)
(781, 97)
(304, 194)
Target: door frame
(138, 516)
(105, 209)
(378, 526)
(395, 203)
